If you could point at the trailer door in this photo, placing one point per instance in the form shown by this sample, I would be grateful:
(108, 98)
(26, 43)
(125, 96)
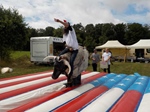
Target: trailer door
(39, 49)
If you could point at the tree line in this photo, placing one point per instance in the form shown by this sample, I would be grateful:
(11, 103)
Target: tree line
(15, 33)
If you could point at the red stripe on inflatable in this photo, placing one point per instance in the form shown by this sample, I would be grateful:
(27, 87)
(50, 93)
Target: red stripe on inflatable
(29, 88)
(52, 95)
(128, 102)
(79, 102)
(31, 79)
(4, 79)
(22, 81)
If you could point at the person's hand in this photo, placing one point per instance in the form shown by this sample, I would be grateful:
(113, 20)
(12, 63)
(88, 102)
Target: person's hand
(56, 20)
(71, 49)
(93, 58)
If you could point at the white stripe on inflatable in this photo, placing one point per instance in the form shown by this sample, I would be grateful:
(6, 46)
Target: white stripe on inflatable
(21, 99)
(24, 98)
(23, 78)
(17, 86)
(105, 101)
(144, 105)
(89, 74)
(57, 101)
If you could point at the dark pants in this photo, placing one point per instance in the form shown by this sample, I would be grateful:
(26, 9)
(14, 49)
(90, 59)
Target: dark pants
(94, 65)
(72, 58)
(107, 69)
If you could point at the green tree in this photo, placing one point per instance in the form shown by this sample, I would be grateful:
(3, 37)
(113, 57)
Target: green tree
(98, 33)
(90, 37)
(90, 30)
(134, 33)
(146, 31)
(58, 32)
(49, 31)
(120, 30)
(108, 31)
(80, 32)
(41, 32)
(32, 33)
(89, 43)
(13, 31)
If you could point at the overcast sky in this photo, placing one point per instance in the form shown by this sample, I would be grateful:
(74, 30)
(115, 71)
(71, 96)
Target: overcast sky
(41, 13)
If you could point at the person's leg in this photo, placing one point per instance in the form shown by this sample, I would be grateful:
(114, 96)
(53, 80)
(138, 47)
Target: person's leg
(95, 67)
(72, 58)
(108, 69)
(77, 80)
(104, 69)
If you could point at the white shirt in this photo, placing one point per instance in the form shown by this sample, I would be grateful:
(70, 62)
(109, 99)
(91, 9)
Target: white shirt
(106, 56)
(71, 39)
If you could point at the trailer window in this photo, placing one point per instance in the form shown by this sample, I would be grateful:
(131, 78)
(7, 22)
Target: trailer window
(148, 50)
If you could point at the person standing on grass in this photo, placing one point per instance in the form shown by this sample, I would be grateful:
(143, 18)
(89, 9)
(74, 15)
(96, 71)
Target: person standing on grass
(95, 59)
(106, 58)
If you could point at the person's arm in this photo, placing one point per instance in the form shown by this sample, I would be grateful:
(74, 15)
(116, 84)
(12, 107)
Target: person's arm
(64, 23)
(91, 57)
(109, 57)
(102, 57)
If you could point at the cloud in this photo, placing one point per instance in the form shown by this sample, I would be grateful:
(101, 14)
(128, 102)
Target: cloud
(40, 13)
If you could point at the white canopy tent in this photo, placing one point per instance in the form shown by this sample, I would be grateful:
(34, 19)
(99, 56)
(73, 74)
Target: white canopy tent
(111, 44)
(119, 50)
(141, 44)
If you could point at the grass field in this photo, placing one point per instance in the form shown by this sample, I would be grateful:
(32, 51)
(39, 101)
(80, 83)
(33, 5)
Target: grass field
(21, 65)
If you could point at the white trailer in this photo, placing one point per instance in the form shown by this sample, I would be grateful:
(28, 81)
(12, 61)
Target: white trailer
(140, 54)
(40, 47)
